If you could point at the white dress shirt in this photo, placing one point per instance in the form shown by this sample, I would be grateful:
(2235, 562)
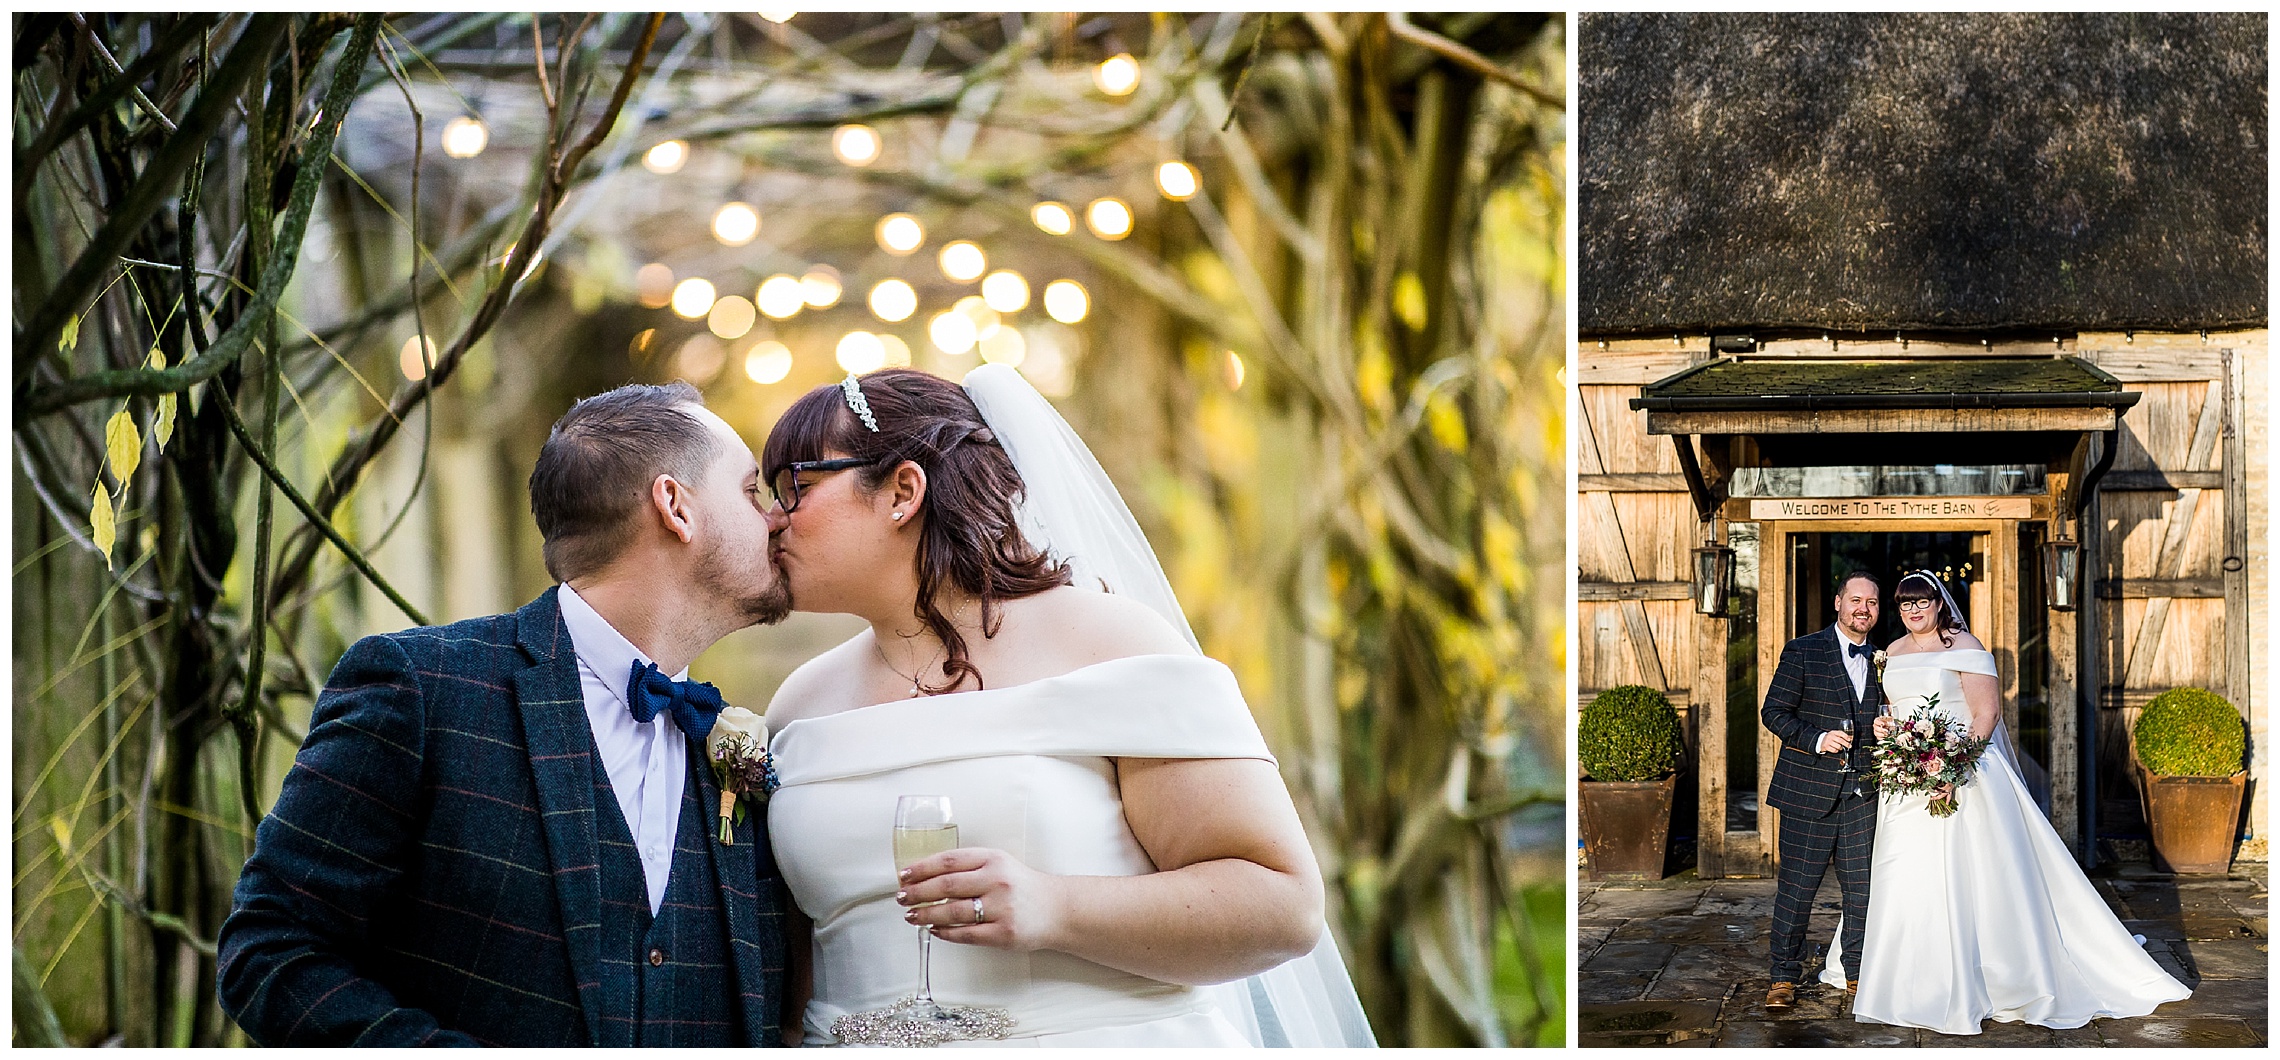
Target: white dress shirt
(1856, 665)
(647, 762)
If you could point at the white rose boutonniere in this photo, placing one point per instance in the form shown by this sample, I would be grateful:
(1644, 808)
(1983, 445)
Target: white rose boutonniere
(738, 747)
(1877, 660)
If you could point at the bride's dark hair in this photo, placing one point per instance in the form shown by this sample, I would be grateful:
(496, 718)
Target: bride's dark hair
(970, 538)
(1918, 585)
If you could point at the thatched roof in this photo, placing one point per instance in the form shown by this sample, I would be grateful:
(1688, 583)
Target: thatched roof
(1880, 172)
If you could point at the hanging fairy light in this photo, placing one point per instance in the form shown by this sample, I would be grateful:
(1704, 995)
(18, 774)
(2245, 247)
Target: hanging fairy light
(415, 357)
(861, 351)
(781, 297)
(963, 261)
(653, 283)
(465, 137)
(897, 351)
(856, 145)
(777, 15)
(692, 298)
(1178, 181)
(900, 233)
(666, 158)
(1232, 371)
(1002, 345)
(768, 361)
(1117, 75)
(893, 301)
(1052, 218)
(1065, 301)
(820, 287)
(1005, 291)
(952, 332)
(736, 224)
(1109, 218)
(731, 317)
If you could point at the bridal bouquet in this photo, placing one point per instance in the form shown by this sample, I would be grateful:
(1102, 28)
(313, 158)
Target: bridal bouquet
(1928, 752)
(738, 747)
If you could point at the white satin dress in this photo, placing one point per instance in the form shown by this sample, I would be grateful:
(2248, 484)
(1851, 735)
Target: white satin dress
(1983, 914)
(1028, 771)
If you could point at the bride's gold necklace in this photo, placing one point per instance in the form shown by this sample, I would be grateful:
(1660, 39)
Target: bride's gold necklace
(938, 656)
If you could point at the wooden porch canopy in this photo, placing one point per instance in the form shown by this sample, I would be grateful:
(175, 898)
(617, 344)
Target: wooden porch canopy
(1800, 413)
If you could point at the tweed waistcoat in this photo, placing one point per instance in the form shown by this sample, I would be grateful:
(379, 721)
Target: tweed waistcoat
(674, 963)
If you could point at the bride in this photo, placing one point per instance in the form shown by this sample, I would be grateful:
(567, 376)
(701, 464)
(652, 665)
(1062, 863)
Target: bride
(1982, 914)
(1132, 870)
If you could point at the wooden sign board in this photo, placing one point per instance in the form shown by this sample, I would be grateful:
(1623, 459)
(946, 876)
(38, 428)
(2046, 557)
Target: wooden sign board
(1893, 508)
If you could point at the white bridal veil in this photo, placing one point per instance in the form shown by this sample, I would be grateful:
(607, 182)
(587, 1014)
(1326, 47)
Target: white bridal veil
(1073, 511)
(2031, 774)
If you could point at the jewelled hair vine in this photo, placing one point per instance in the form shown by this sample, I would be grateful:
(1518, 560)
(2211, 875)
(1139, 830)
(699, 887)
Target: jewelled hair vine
(856, 401)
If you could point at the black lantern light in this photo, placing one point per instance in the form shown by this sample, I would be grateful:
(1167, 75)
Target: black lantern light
(2062, 573)
(1713, 578)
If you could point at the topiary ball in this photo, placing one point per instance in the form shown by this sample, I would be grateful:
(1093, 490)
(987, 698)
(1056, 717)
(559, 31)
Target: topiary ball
(2190, 732)
(1629, 732)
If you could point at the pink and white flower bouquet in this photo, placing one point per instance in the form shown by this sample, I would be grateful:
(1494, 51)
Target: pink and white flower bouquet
(1928, 753)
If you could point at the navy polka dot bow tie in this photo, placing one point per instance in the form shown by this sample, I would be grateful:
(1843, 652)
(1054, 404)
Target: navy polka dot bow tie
(693, 704)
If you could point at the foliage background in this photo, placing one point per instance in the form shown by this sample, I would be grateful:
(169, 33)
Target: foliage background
(1328, 384)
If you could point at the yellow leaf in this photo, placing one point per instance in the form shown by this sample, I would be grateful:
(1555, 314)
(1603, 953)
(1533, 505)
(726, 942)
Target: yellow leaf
(1409, 300)
(70, 334)
(163, 429)
(157, 358)
(60, 827)
(103, 521)
(124, 441)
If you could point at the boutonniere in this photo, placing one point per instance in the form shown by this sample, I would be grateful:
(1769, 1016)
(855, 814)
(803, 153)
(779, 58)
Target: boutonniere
(1877, 660)
(738, 747)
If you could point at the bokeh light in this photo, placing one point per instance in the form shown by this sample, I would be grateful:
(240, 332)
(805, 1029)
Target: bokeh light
(1065, 301)
(897, 351)
(1053, 219)
(653, 283)
(768, 361)
(893, 301)
(900, 233)
(777, 15)
(856, 145)
(1178, 181)
(1117, 75)
(465, 137)
(782, 297)
(693, 298)
(1109, 218)
(820, 287)
(963, 262)
(736, 224)
(1005, 291)
(861, 351)
(731, 317)
(700, 358)
(666, 158)
(1002, 345)
(951, 332)
(409, 358)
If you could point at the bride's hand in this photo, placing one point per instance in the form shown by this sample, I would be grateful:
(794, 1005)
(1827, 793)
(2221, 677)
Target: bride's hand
(1886, 725)
(1018, 903)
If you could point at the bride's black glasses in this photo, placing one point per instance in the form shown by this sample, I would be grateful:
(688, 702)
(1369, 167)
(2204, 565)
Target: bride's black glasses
(786, 485)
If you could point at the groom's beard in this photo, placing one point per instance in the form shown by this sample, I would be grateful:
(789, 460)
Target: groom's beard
(763, 608)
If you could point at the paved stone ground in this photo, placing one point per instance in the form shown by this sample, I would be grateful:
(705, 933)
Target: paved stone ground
(1683, 962)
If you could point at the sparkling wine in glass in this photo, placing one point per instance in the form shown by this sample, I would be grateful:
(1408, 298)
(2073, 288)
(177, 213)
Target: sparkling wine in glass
(1844, 764)
(923, 828)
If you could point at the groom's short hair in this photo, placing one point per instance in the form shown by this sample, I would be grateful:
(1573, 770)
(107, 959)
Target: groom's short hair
(594, 472)
(1874, 581)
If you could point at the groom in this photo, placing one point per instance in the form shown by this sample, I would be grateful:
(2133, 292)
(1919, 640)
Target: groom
(1824, 679)
(502, 831)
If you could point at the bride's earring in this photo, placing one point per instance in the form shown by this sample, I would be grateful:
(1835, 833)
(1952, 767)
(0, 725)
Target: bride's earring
(898, 515)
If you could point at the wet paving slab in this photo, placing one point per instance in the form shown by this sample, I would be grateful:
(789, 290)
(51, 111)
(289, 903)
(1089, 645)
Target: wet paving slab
(1681, 963)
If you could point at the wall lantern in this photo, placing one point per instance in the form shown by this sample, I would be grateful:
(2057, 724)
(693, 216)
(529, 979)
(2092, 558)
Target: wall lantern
(1713, 578)
(2062, 573)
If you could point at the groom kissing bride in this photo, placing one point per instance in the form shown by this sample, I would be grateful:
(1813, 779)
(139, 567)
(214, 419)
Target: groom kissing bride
(1948, 920)
(508, 831)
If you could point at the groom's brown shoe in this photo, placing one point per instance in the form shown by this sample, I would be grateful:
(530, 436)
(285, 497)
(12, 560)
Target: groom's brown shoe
(1852, 986)
(1781, 995)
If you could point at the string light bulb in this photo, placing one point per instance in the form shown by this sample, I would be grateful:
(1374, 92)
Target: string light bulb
(1109, 218)
(1005, 291)
(777, 15)
(410, 358)
(900, 233)
(1066, 301)
(1178, 181)
(963, 262)
(731, 317)
(893, 301)
(861, 351)
(856, 145)
(781, 297)
(736, 224)
(465, 137)
(951, 332)
(1117, 75)
(654, 284)
(768, 361)
(1052, 218)
(820, 286)
(666, 158)
(692, 298)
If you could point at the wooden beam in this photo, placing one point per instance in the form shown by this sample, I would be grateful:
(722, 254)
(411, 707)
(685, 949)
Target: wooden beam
(2183, 361)
(2209, 588)
(2002, 629)
(1772, 635)
(1881, 421)
(1710, 745)
(1610, 592)
(1596, 367)
(1615, 558)
(2159, 481)
(2238, 687)
(1644, 482)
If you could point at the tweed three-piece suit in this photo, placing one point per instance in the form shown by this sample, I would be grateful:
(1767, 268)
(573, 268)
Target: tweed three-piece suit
(447, 864)
(1822, 820)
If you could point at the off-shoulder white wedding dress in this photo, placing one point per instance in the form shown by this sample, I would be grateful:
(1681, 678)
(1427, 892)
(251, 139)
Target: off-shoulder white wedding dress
(1028, 771)
(1983, 914)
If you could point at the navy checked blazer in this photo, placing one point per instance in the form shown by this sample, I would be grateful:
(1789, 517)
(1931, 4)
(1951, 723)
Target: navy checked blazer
(430, 874)
(1811, 693)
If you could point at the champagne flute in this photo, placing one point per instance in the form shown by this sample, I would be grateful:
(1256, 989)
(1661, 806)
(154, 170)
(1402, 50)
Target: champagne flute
(1844, 762)
(923, 828)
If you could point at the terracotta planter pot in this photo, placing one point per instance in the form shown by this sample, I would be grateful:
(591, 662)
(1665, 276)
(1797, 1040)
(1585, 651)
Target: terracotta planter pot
(1626, 827)
(2194, 819)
